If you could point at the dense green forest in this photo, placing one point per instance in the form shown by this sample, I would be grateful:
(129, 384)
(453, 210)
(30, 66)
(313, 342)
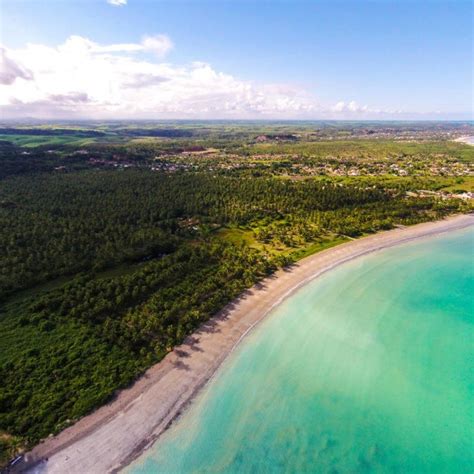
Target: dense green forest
(56, 225)
(107, 263)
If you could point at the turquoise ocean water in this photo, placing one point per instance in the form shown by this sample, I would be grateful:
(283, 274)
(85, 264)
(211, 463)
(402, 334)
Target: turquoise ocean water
(366, 369)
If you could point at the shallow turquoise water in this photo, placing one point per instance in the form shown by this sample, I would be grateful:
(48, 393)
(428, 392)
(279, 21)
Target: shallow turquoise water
(366, 369)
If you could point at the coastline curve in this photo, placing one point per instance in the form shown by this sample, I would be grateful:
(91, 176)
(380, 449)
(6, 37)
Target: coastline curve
(114, 435)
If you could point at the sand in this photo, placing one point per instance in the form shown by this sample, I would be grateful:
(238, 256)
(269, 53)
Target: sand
(115, 434)
(469, 140)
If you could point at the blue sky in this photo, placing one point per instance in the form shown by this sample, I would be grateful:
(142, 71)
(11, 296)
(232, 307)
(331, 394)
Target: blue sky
(262, 59)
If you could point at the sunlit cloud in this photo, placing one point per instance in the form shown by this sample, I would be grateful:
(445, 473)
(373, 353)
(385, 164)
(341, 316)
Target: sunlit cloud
(351, 107)
(117, 3)
(10, 70)
(81, 78)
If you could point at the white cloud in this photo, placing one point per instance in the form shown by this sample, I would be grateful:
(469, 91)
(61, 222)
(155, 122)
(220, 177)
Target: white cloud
(117, 3)
(351, 107)
(159, 44)
(10, 71)
(81, 78)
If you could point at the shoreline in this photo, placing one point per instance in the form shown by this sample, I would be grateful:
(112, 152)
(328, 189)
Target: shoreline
(468, 140)
(112, 436)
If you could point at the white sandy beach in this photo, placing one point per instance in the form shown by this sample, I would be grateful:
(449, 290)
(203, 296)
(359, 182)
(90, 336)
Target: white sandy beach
(111, 437)
(468, 140)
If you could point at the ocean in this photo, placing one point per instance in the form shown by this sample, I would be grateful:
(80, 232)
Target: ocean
(368, 368)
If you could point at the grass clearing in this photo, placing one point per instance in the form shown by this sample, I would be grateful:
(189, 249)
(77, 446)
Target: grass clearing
(465, 183)
(317, 247)
(237, 236)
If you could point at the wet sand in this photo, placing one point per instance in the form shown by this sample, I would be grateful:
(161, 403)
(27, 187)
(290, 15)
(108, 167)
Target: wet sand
(115, 434)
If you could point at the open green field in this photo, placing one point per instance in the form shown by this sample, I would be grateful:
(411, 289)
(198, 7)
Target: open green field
(35, 140)
(462, 184)
(368, 149)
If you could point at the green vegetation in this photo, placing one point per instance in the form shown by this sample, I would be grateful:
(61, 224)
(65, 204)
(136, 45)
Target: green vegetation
(34, 140)
(111, 254)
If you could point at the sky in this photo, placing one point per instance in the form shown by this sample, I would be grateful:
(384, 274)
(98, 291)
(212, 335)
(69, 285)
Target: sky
(239, 59)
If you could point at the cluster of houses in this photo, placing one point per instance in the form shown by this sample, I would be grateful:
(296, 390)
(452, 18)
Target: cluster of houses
(424, 193)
